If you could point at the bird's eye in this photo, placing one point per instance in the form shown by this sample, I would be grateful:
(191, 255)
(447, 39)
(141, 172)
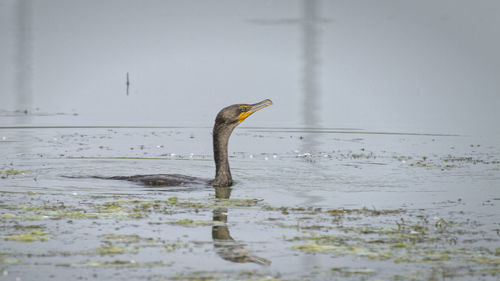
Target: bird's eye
(243, 109)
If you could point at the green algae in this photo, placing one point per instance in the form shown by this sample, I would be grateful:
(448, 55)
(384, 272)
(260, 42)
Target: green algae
(123, 238)
(343, 249)
(414, 239)
(11, 172)
(192, 278)
(131, 243)
(119, 263)
(224, 275)
(313, 248)
(189, 222)
(362, 155)
(173, 200)
(392, 235)
(32, 236)
(171, 247)
(419, 254)
(110, 207)
(236, 203)
(123, 209)
(363, 211)
(61, 211)
(422, 243)
(9, 216)
(398, 245)
(112, 250)
(173, 204)
(9, 260)
(448, 162)
(349, 272)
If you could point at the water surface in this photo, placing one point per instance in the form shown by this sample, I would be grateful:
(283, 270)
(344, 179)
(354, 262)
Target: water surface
(307, 204)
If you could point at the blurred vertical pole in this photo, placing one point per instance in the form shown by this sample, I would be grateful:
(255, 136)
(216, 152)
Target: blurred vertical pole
(310, 95)
(24, 57)
(23, 64)
(310, 89)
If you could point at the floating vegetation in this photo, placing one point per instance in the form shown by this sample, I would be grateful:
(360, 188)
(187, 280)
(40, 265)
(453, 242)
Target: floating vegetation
(413, 239)
(115, 244)
(10, 172)
(32, 236)
(469, 160)
(113, 250)
(190, 222)
(61, 211)
(123, 238)
(348, 272)
(362, 155)
(9, 260)
(224, 275)
(118, 263)
(449, 161)
(431, 161)
(329, 215)
(363, 211)
(124, 209)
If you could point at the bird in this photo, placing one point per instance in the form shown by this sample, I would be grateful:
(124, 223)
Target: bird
(226, 121)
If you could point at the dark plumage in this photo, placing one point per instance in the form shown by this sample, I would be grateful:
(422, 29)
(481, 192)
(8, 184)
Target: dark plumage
(227, 119)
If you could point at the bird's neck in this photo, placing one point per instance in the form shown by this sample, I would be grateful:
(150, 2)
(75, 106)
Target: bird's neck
(221, 136)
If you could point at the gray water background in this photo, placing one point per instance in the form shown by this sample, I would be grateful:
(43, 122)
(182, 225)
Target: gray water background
(426, 66)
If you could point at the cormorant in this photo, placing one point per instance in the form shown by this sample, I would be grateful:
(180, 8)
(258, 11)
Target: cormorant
(227, 119)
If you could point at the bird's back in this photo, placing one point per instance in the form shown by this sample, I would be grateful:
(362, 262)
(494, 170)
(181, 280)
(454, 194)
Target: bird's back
(163, 180)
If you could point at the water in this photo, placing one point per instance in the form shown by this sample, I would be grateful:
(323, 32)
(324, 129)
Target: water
(379, 160)
(351, 206)
(325, 63)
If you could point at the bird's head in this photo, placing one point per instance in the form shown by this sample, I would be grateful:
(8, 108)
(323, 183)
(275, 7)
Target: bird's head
(236, 113)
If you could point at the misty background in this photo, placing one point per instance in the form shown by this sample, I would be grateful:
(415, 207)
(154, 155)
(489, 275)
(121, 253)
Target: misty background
(399, 66)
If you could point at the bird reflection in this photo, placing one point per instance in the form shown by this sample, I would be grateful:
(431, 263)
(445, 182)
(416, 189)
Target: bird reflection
(225, 246)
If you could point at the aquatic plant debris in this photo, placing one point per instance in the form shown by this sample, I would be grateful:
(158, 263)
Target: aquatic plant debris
(189, 222)
(10, 172)
(413, 239)
(32, 236)
(329, 206)
(404, 231)
(118, 263)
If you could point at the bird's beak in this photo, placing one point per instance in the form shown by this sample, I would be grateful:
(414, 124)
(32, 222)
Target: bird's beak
(251, 109)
